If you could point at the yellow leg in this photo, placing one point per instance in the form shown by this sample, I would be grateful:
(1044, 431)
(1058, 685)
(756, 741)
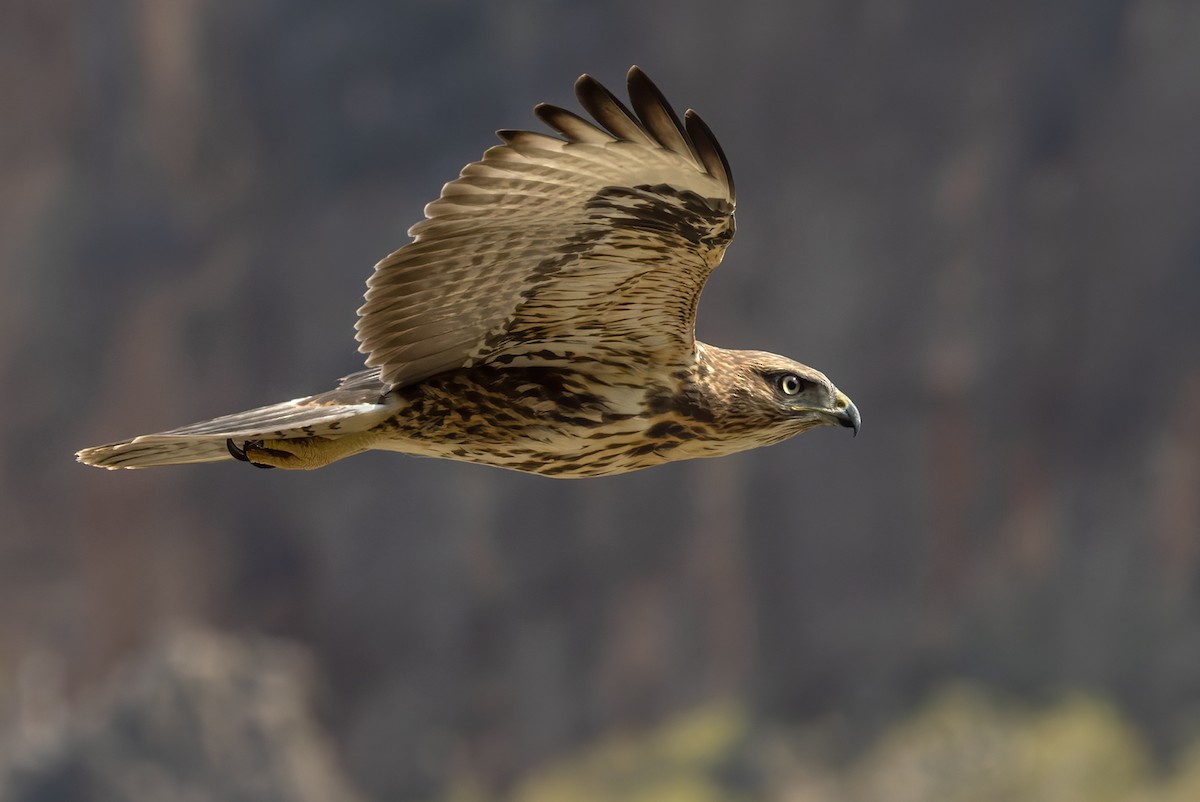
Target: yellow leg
(301, 454)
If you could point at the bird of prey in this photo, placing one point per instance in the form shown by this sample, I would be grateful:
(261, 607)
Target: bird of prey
(542, 319)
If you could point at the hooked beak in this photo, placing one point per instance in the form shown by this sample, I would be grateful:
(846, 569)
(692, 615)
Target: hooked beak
(847, 414)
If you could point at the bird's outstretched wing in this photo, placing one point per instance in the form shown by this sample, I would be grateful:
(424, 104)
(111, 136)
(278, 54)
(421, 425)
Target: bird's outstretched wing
(595, 245)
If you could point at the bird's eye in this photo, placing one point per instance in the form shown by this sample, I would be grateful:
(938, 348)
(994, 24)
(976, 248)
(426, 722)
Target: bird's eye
(790, 384)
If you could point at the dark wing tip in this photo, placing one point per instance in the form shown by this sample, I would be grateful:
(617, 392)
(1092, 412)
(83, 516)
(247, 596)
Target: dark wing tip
(570, 124)
(609, 111)
(658, 117)
(709, 151)
(655, 122)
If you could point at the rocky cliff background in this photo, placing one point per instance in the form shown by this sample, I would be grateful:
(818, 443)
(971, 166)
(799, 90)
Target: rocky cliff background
(982, 220)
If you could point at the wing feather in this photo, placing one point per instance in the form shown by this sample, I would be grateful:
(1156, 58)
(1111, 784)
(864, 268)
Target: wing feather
(571, 125)
(657, 115)
(610, 112)
(710, 152)
(598, 243)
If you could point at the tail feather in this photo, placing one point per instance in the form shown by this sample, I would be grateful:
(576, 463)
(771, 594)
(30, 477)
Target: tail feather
(314, 416)
(153, 450)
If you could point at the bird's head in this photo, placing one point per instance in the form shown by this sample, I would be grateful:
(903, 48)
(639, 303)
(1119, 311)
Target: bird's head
(772, 396)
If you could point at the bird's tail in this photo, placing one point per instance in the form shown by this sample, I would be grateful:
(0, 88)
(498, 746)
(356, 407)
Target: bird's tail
(357, 405)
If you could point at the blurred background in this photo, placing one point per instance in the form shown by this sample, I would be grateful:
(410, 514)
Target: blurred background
(982, 220)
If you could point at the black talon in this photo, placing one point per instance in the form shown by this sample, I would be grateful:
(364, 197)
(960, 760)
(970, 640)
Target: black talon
(240, 454)
(235, 452)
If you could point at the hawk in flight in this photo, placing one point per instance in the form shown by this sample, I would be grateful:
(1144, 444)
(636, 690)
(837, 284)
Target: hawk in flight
(542, 319)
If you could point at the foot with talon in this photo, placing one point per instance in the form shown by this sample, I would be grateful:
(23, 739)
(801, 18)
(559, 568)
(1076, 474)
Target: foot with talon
(240, 453)
(298, 454)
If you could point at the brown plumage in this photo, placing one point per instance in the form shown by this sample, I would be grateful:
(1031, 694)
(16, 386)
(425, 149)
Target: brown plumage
(542, 319)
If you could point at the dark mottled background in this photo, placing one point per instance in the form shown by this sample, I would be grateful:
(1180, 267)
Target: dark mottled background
(982, 220)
